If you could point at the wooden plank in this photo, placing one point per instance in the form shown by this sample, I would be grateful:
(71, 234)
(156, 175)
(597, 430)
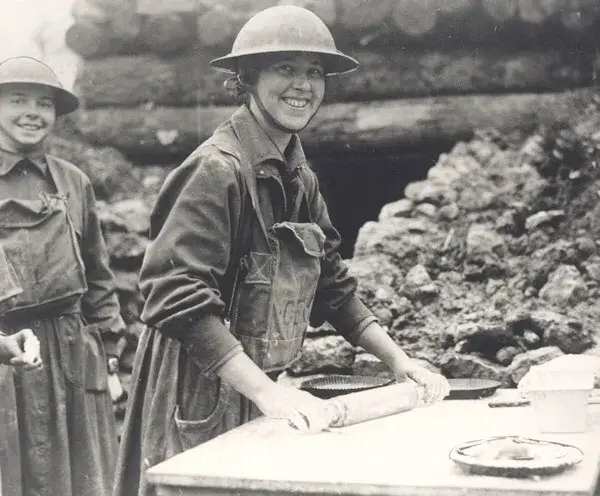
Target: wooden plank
(400, 124)
(165, 34)
(364, 14)
(414, 17)
(536, 11)
(87, 12)
(91, 41)
(187, 80)
(401, 23)
(501, 10)
(578, 15)
(398, 455)
(162, 7)
(218, 26)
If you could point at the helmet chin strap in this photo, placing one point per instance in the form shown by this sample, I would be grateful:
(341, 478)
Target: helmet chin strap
(268, 116)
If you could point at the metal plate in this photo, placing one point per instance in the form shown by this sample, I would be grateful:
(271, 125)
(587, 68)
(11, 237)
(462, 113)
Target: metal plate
(515, 456)
(468, 389)
(337, 384)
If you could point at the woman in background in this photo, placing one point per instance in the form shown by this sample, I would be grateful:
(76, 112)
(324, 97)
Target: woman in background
(50, 234)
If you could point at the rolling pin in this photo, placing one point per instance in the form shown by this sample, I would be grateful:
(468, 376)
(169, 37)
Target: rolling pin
(372, 404)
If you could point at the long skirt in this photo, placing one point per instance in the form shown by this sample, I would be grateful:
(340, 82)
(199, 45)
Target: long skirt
(61, 430)
(172, 407)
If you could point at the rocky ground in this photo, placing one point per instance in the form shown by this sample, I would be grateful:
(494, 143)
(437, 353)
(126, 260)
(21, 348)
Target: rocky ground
(492, 263)
(489, 265)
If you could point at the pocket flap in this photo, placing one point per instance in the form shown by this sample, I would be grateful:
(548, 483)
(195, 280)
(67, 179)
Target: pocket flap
(83, 357)
(310, 236)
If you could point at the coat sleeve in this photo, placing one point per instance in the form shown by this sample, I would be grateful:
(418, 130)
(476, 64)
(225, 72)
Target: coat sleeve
(186, 266)
(100, 304)
(335, 300)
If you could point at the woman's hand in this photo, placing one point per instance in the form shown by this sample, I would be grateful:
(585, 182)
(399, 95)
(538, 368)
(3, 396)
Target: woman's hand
(435, 386)
(21, 350)
(301, 409)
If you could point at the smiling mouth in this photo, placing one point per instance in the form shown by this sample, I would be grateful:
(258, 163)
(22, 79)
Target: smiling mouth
(298, 103)
(30, 127)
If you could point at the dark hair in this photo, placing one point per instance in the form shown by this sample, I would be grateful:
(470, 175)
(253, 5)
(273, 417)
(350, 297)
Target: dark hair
(237, 86)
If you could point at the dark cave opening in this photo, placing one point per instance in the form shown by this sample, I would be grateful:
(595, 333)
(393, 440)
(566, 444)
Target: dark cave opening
(357, 186)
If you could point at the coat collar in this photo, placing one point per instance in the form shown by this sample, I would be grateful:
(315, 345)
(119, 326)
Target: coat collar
(8, 160)
(258, 147)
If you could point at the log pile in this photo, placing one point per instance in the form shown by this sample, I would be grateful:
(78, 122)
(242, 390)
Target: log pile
(124, 26)
(186, 79)
(429, 73)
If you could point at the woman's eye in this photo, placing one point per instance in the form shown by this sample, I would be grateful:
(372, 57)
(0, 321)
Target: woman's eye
(317, 72)
(18, 101)
(285, 69)
(45, 104)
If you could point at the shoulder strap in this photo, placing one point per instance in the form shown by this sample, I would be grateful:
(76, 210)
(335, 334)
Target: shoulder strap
(249, 203)
(248, 183)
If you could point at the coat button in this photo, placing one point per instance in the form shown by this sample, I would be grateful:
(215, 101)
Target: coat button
(36, 323)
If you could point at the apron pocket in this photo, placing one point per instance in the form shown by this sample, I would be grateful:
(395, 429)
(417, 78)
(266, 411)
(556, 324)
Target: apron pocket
(83, 357)
(39, 239)
(260, 268)
(310, 237)
(194, 432)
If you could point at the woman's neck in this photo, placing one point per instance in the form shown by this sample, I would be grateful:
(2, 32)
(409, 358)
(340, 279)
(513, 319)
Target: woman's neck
(10, 146)
(281, 139)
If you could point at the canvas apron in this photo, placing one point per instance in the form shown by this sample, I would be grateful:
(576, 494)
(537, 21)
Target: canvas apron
(64, 418)
(272, 297)
(276, 285)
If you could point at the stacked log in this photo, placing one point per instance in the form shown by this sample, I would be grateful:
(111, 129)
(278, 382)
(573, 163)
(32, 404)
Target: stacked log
(405, 123)
(120, 26)
(186, 79)
(429, 70)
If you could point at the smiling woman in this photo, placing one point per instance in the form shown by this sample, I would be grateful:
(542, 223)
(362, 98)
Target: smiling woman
(27, 115)
(50, 233)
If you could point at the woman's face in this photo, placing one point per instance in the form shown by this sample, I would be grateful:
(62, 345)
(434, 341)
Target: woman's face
(27, 116)
(291, 88)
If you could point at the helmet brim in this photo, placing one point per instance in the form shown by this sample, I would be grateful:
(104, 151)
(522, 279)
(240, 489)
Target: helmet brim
(334, 62)
(65, 102)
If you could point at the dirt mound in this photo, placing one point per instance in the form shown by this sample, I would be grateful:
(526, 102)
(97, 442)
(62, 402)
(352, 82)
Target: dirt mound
(493, 262)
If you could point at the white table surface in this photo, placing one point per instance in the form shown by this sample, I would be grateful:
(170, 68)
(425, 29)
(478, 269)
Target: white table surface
(401, 454)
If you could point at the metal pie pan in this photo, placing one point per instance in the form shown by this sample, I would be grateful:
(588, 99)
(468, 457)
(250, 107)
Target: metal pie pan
(469, 389)
(545, 458)
(336, 384)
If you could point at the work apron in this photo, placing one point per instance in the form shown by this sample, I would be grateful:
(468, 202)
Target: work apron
(269, 310)
(173, 406)
(66, 427)
(275, 287)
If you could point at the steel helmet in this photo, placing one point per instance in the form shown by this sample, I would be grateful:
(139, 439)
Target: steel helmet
(286, 28)
(31, 71)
